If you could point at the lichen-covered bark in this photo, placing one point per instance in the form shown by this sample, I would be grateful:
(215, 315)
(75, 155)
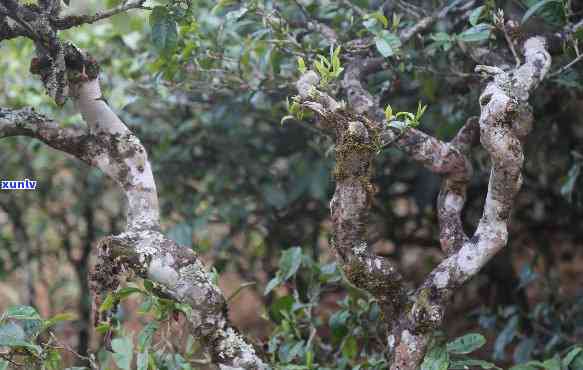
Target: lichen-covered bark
(355, 150)
(106, 143)
(504, 122)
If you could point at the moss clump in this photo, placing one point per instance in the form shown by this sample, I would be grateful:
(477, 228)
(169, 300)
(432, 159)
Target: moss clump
(375, 281)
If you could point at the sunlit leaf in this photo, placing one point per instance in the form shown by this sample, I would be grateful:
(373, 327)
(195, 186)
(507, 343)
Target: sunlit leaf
(290, 261)
(536, 8)
(466, 344)
(123, 352)
(436, 359)
(479, 32)
(164, 30)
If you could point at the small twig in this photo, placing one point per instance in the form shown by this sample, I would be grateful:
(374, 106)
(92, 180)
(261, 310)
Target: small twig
(511, 46)
(354, 7)
(241, 287)
(74, 21)
(200, 361)
(412, 10)
(302, 9)
(503, 26)
(14, 363)
(565, 337)
(67, 348)
(564, 68)
(13, 9)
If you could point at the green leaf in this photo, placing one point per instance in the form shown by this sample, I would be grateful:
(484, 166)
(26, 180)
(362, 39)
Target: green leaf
(11, 333)
(505, 337)
(381, 18)
(123, 349)
(577, 362)
(527, 275)
(571, 356)
(350, 348)
(52, 360)
(436, 359)
(145, 336)
(108, 303)
(32, 328)
(525, 367)
(301, 65)
(3, 365)
(569, 184)
(142, 360)
(22, 313)
(235, 15)
(388, 113)
(281, 306)
(475, 15)
(337, 322)
(375, 21)
(103, 328)
(123, 293)
(468, 364)
(553, 363)
(275, 196)
(220, 5)
(466, 344)
(479, 32)
(524, 350)
(387, 43)
(290, 262)
(164, 30)
(273, 283)
(67, 316)
(537, 7)
(383, 47)
(289, 350)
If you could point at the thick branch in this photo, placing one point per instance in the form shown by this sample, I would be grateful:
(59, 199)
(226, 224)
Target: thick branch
(111, 147)
(355, 150)
(434, 154)
(505, 120)
(10, 30)
(452, 195)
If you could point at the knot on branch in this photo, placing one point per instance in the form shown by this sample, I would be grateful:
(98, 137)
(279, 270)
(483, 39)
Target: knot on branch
(312, 98)
(355, 148)
(63, 66)
(427, 314)
(376, 275)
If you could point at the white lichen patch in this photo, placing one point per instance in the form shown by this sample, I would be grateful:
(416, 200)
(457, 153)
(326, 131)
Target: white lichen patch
(469, 258)
(409, 341)
(195, 272)
(357, 129)
(391, 341)
(441, 278)
(360, 249)
(149, 244)
(232, 345)
(453, 202)
(162, 272)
